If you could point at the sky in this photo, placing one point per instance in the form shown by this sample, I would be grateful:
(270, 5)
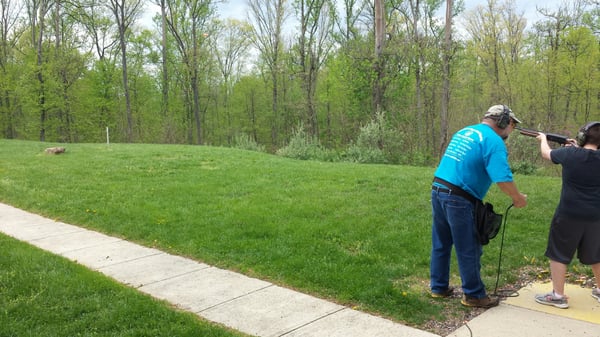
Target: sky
(237, 9)
(528, 7)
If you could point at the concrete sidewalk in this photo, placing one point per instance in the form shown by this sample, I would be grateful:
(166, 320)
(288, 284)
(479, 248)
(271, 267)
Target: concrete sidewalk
(253, 306)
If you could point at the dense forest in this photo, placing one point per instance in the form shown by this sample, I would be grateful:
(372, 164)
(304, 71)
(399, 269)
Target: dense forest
(392, 77)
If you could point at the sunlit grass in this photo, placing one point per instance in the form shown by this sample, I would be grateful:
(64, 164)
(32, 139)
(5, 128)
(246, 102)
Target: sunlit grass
(45, 295)
(355, 234)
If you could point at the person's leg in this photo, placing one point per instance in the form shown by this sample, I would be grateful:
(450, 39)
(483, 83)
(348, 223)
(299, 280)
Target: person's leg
(563, 239)
(441, 247)
(558, 271)
(467, 247)
(596, 270)
(589, 252)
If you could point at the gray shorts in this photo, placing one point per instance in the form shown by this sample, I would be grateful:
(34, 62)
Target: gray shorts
(568, 235)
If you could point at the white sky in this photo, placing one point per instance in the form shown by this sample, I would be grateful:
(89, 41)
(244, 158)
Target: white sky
(238, 8)
(528, 7)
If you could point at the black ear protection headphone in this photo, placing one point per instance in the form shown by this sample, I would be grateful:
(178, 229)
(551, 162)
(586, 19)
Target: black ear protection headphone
(504, 120)
(583, 133)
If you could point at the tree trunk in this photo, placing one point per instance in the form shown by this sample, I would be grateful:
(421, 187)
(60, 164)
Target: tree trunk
(40, 13)
(125, 12)
(378, 64)
(446, 77)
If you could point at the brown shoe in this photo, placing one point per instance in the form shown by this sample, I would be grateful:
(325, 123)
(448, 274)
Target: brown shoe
(485, 302)
(444, 294)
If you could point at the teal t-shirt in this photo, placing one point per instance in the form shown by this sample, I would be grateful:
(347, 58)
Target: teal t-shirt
(475, 158)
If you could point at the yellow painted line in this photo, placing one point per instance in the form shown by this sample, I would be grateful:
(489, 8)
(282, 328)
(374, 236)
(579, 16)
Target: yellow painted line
(582, 306)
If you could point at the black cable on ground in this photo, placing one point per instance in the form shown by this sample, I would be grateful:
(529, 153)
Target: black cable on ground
(503, 292)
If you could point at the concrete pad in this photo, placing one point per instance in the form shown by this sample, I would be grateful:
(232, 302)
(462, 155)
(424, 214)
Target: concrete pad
(35, 230)
(204, 288)
(72, 241)
(271, 311)
(352, 323)
(109, 253)
(510, 321)
(582, 305)
(151, 269)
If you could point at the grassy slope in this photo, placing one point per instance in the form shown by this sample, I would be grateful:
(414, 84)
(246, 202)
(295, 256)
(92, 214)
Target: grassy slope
(356, 234)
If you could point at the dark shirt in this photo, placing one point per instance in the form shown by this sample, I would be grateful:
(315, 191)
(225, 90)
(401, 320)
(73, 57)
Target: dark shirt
(580, 195)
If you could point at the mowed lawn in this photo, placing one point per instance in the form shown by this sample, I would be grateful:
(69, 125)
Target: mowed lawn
(355, 234)
(43, 295)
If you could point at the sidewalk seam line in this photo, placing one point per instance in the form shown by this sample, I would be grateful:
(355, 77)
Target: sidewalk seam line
(235, 298)
(313, 321)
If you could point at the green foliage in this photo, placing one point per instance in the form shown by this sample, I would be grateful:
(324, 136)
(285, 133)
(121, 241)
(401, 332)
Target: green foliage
(305, 147)
(525, 157)
(377, 143)
(523, 167)
(547, 73)
(365, 155)
(419, 158)
(523, 149)
(369, 144)
(244, 142)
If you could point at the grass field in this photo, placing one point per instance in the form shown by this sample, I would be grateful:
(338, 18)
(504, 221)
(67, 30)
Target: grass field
(43, 295)
(355, 234)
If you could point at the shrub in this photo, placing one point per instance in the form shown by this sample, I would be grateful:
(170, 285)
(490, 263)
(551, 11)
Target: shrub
(305, 147)
(244, 142)
(376, 143)
(357, 154)
(524, 167)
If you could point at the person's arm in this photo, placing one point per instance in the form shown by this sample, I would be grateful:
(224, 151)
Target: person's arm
(544, 147)
(509, 188)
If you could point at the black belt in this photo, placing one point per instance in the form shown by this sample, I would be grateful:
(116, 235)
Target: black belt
(452, 189)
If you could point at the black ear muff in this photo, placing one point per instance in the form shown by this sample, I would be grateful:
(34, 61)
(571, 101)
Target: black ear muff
(504, 119)
(581, 137)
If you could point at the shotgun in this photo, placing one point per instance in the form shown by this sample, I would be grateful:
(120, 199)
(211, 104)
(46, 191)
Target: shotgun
(552, 137)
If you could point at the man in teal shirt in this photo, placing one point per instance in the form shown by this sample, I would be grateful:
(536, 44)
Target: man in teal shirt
(475, 158)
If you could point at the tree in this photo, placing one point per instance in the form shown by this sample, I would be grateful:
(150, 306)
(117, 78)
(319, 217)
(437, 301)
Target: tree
(447, 55)
(9, 14)
(187, 22)
(230, 45)
(267, 18)
(549, 33)
(348, 24)
(37, 11)
(497, 35)
(101, 83)
(378, 64)
(166, 64)
(312, 50)
(418, 40)
(125, 13)
(578, 84)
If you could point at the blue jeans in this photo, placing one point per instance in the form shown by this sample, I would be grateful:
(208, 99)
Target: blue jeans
(453, 224)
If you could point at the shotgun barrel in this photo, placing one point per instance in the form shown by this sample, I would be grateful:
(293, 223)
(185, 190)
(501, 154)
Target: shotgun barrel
(553, 137)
